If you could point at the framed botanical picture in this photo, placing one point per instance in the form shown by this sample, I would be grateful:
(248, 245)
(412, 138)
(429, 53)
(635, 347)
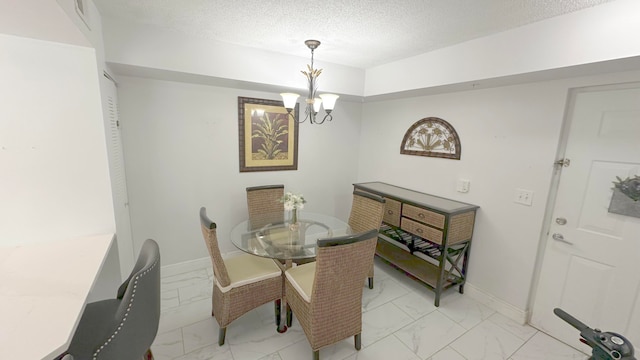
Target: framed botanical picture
(268, 135)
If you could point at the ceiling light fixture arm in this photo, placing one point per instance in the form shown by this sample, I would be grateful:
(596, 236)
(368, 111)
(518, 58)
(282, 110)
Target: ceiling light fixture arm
(312, 103)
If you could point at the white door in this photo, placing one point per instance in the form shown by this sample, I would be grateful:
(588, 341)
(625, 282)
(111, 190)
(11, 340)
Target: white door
(592, 267)
(118, 181)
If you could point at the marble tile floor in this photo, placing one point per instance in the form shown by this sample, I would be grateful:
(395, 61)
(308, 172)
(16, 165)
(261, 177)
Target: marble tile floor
(399, 319)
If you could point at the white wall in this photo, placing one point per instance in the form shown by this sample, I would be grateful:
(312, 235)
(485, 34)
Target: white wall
(54, 181)
(509, 139)
(181, 147)
(90, 26)
(572, 42)
(597, 34)
(152, 47)
(39, 19)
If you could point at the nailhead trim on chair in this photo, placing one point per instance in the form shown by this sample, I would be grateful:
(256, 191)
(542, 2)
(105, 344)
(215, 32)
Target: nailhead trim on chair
(135, 282)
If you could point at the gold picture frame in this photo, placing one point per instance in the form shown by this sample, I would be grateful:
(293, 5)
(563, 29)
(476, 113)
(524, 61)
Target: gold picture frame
(268, 135)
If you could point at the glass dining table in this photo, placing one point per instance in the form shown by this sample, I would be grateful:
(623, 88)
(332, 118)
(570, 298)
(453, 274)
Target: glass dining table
(287, 242)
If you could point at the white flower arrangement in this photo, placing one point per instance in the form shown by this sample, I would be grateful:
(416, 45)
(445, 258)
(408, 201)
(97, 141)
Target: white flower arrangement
(292, 201)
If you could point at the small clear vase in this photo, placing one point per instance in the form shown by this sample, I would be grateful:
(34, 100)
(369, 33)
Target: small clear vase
(294, 219)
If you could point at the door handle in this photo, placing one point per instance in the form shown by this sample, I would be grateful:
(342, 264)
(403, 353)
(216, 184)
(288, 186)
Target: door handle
(561, 221)
(560, 238)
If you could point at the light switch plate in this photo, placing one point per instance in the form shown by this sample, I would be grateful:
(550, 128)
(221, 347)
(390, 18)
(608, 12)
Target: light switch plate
(463, 185)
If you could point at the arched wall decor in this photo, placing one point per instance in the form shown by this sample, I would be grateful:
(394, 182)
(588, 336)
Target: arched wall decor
(431, 137)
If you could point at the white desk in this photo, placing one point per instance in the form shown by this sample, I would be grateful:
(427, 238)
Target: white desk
(43, 291)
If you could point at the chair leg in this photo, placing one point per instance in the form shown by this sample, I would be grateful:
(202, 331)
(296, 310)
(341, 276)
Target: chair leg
(214, 290)
(358, 340)
(221, 334)
(277, 311)
(370, 283)
(316, 355)
(289, 316)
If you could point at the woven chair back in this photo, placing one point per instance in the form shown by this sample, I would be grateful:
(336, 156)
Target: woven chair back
(367, 211)
(265, 205)
(342, 265)
(210, 235)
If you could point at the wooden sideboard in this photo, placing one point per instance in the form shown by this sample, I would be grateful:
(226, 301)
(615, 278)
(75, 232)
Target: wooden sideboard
(426, 236)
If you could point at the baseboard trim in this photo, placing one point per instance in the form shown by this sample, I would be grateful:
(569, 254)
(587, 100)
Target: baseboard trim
(186, 266)
(192, 265)
(504, 308)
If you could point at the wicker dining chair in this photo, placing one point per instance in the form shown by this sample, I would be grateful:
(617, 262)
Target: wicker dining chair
(241, 283)
(265, 205)
(326, 295)
(367, 211)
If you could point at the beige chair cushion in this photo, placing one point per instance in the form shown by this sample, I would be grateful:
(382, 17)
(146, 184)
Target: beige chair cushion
(246, 269)
(301, 277)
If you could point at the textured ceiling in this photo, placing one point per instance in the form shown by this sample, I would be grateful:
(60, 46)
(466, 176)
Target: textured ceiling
(359, 33)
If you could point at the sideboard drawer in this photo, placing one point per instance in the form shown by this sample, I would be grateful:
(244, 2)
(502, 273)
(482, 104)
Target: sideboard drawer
(421, 230)
(392, 212)
(423, 215)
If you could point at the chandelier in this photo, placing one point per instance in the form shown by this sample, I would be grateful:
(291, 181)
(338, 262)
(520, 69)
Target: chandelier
(328, 101)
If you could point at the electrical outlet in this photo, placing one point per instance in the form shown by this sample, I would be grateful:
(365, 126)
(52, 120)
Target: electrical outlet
(463, 185)
(524, 197)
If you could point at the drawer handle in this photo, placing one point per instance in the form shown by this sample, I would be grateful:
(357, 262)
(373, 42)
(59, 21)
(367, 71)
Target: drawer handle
(419, 231)
(421, 215)
(390, 212)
